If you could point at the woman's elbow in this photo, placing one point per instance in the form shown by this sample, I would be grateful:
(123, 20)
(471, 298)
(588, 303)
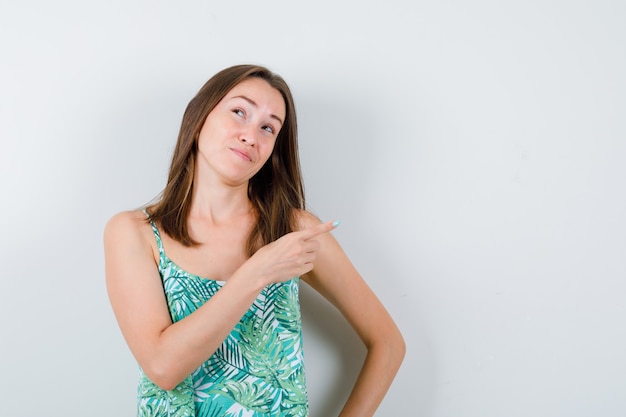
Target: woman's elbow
(389, 347)
(401, 349)
(397, 347)
(161, 376)
(166, 384)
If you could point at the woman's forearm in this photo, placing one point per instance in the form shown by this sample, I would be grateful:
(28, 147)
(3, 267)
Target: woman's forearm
(379, 369)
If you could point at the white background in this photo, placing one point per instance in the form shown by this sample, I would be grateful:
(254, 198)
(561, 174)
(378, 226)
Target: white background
(474, 152)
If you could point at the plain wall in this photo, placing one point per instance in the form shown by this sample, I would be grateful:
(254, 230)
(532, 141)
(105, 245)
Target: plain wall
(474, 151)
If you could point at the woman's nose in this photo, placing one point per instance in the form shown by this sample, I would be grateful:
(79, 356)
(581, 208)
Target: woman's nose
(248, 136)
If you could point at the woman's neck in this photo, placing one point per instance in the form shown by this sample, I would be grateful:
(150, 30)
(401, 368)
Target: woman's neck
(218, 203)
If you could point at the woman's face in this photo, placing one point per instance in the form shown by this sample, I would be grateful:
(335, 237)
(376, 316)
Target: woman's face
(239, 134)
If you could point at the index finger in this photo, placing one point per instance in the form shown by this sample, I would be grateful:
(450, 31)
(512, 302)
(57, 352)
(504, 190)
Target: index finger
(318, 229)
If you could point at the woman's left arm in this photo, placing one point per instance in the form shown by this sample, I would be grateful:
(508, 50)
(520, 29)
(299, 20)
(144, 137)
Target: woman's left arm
(337, 280)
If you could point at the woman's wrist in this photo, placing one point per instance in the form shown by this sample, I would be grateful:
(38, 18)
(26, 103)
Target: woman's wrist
(249, 277)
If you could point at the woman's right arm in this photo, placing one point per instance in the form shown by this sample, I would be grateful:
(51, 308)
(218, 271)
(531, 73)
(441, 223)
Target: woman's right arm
(166, 352)
(169, 352)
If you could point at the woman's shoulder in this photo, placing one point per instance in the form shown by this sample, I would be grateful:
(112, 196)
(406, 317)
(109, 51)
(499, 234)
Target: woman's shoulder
(305, 219)
(125, 225)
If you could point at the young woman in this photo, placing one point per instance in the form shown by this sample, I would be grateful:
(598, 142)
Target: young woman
(204, 283)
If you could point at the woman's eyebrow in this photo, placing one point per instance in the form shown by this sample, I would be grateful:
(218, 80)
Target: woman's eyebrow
(253, 103)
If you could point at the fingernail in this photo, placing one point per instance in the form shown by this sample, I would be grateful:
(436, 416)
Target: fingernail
(336, 223)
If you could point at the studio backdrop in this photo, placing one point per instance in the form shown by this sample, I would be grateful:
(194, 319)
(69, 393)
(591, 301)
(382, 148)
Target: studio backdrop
(475, 153)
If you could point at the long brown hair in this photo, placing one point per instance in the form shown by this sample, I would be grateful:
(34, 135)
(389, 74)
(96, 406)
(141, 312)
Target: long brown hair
(276, 191)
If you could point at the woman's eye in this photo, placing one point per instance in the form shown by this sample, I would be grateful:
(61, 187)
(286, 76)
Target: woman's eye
(239, 112)
(269, 129)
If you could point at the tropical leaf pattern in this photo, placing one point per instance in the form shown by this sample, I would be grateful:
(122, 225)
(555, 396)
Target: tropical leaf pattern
(258, 371)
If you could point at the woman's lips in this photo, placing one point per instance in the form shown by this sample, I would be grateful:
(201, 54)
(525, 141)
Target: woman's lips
(242, 154)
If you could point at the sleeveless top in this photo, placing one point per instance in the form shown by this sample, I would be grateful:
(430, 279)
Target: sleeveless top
(258, 371)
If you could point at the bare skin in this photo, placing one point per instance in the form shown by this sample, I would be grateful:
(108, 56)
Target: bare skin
(231, 150)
